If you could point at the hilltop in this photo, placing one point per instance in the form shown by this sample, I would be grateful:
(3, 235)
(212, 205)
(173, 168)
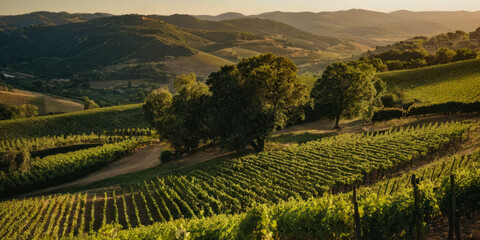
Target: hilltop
(47, 18)
(370, 27)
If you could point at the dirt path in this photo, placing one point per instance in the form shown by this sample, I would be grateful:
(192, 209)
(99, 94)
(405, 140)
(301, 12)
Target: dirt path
(144, 158)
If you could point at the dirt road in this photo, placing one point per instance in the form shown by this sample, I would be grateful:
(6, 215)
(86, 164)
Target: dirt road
(144, 158)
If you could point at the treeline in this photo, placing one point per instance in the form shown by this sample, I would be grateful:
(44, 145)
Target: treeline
(446, 48)
(241, 105)
(153, 72)
(23, 111)
(417, 110)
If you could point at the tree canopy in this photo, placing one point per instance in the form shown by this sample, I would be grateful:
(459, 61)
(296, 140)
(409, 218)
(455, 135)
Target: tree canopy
(347, 90)
(254, 98)
(181, 119)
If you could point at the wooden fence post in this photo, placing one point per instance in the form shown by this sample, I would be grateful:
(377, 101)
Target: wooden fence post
(358, 230)
(416, 223)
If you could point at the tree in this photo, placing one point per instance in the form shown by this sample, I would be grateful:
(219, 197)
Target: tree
(190, 112)
(254, 98)
(181, 119)
(89, 104)
(444, 55)
(345, 90)
(157, 109)
(27, 110)
(7, 111)
(464, 54)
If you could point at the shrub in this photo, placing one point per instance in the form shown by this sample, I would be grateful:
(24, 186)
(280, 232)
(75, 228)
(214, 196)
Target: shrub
(387, 114)
(444, 108)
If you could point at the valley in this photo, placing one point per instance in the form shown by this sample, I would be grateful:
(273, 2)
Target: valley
(350, 124)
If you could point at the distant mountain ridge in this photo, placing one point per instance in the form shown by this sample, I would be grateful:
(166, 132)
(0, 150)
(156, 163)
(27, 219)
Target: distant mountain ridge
(47, 18)
(370, 26)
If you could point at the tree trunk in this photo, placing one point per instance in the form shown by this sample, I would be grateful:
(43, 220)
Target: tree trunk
(259, 145)
(337, 121)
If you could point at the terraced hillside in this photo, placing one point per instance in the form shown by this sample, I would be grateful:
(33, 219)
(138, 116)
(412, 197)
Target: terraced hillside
(458, 81)
(95, 120)
(234, 186)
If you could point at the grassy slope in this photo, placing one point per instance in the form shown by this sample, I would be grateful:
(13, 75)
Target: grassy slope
(200, 63)
(96, 120)
(458, 81)
(44, 103)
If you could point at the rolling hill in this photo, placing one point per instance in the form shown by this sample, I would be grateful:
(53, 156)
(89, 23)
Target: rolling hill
(47, 18)
(45, 104)
(458, 81)
(370, 27)
(103, 43)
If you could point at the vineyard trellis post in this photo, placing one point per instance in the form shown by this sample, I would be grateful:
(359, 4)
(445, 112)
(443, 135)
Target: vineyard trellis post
(356, 216)
(416, 219)
(453, 219)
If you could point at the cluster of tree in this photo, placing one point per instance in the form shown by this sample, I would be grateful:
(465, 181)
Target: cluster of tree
(11, 112)
(153, 72)
(241, 105)
(412, 54)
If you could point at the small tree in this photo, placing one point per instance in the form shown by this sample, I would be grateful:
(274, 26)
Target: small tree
(7, 111)
(444, 55)
(180, 119)
(464, 54)
(253, 99)
(89, 104)
(27, 110)
(345, 90)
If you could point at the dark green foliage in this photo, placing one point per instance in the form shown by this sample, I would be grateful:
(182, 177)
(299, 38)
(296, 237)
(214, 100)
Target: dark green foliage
(444, 108)
(22, 111)
(464, 54)
(166, 156)
(450, 47)
(27, 110)
(253, 99)
(346, 90)
(181, 120)
(444, 55)
(7, 111)
(388, 114)
(467, 194)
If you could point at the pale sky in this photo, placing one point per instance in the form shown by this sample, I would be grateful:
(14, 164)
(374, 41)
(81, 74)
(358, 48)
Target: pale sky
(214, 7)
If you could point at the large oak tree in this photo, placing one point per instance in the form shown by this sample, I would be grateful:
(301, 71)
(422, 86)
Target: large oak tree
(346, 90)
(253, 99)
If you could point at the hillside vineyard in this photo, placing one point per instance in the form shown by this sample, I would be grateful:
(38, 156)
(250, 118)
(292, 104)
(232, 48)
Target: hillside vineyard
(309, 170)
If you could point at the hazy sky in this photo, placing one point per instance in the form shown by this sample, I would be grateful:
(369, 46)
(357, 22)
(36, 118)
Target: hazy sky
(9, 7)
